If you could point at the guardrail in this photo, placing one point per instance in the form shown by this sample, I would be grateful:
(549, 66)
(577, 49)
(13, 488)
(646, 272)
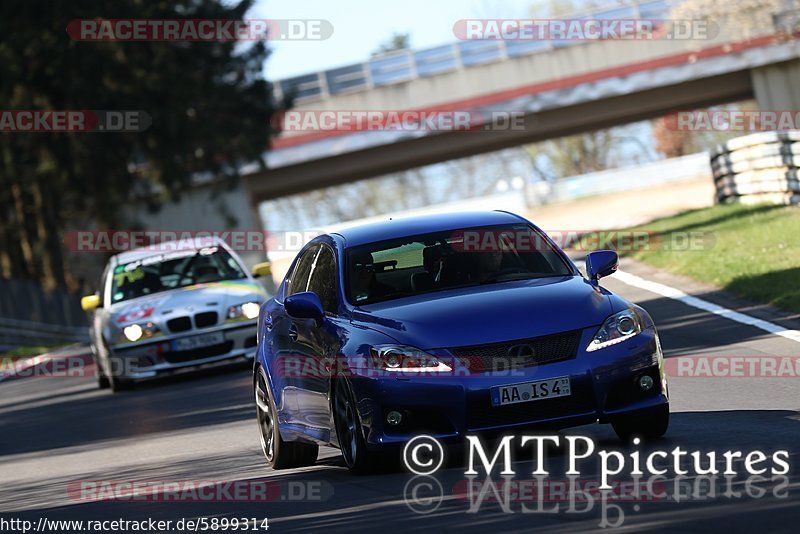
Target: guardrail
(15, 333)
(405, 65)
(762, 167)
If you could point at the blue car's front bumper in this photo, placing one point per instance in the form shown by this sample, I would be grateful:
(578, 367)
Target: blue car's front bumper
(604, 385)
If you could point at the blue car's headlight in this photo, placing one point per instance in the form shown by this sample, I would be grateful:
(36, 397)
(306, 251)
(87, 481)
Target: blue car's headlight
(405, 359)
(619, 327)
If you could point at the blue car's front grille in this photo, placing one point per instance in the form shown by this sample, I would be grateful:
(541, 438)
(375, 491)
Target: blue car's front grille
(519, 353)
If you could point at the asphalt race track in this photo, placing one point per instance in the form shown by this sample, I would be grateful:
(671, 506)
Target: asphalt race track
(58, 433)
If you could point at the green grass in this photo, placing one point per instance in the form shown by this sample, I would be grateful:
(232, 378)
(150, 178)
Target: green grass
(751, 251)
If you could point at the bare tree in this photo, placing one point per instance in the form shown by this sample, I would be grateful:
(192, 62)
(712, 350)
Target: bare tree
(670, 142)
(748, 18)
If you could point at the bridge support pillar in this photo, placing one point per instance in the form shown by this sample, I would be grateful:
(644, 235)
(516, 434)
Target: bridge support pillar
(256, 224)
(776, 86)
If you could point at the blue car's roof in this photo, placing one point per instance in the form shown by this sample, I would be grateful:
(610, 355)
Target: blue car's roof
(408, 226)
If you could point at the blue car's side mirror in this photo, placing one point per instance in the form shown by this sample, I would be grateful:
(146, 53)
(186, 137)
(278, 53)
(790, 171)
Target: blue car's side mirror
(305, 306)
(601, 263)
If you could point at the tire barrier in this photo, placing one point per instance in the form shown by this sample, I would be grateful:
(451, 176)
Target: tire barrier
(762, 167)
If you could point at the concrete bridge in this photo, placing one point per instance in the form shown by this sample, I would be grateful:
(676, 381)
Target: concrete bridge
(558, 88)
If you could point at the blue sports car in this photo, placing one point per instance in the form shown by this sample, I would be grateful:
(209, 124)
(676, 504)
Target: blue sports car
(447, 325)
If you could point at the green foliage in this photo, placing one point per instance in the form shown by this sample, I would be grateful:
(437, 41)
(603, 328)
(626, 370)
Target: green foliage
(752, 251)
(209, 103)
(398, 41)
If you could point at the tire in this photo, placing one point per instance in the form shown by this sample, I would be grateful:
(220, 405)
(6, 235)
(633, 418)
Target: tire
(278, 453)
(106, 377)
(349, 432)
(102, 380)
(117, 384)
(650, 424)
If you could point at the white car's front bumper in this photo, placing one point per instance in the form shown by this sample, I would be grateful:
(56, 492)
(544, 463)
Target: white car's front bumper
(153, 357)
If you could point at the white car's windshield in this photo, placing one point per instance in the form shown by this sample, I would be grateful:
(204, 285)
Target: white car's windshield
(163, 272)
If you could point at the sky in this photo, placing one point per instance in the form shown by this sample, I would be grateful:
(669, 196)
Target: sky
(361, 26)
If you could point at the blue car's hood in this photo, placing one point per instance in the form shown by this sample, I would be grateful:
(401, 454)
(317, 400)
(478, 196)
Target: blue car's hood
(490, 313)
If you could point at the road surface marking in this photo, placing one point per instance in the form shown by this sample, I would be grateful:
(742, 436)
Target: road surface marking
(677, 294)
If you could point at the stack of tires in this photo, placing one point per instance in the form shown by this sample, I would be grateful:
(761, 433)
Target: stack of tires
(758, 168)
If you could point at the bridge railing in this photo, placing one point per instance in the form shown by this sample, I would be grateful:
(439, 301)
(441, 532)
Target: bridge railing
(406, 65)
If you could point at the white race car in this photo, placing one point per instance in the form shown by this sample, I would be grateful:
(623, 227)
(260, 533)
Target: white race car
(176, 308)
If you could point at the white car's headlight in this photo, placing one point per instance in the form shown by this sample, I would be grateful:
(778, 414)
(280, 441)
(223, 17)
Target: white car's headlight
(405, 359)
(619, 327)
(136, 332)
(245, 311)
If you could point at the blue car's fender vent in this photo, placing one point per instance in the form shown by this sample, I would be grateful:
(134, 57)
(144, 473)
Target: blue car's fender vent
(519, 353)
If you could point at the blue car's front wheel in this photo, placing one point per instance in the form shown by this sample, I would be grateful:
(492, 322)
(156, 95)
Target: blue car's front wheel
(348, 430)
(280, 454)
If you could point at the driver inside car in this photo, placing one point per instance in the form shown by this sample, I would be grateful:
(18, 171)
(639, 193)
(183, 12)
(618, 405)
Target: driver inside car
(489, 264)
(365, 283)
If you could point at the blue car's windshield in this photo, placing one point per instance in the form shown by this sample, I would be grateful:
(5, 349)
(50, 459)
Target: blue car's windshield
(443, 260)
(162, 272)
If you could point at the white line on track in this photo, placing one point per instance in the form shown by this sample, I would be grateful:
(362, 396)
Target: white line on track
(677, 294)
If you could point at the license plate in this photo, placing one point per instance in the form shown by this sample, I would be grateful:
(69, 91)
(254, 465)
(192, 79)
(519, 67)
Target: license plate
(531, 391)
(198, 342)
